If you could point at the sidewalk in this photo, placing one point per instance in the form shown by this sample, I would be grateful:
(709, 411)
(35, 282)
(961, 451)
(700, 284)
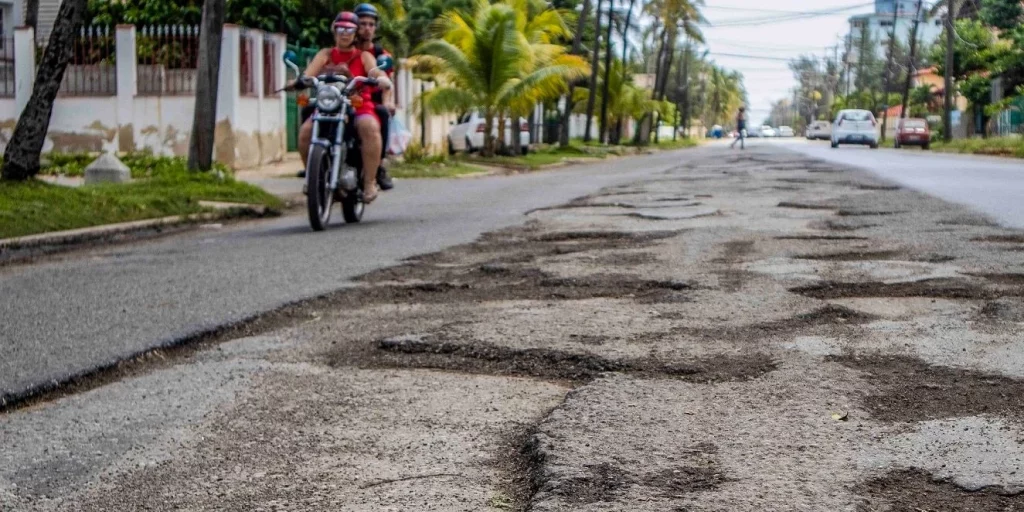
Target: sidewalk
(280, 179)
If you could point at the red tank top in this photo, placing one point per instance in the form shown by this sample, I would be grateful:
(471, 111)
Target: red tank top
(351, 58)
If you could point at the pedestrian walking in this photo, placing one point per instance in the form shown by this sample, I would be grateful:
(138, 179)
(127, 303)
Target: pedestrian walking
(741, 128)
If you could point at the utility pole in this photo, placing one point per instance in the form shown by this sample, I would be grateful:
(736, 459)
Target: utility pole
(911, 68)
(947, 114)
(847, 64)
(686, 88)
(888, 68)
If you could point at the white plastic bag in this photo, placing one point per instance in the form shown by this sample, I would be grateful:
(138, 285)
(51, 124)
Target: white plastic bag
(398, 137)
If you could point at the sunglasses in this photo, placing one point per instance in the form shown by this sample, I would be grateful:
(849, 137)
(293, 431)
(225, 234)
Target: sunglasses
(344, 30)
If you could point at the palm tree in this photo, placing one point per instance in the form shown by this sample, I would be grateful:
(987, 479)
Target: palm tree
(486, 63)
(577, 42)
(594, 52)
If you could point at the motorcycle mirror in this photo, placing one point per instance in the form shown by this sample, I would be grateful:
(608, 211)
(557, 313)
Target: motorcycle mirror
(289, 56)
(385, 63)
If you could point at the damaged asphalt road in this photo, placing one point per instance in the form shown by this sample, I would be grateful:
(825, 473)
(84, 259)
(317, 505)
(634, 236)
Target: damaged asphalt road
(744, 331)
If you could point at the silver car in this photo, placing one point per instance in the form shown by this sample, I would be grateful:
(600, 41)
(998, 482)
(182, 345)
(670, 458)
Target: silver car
(855, 126)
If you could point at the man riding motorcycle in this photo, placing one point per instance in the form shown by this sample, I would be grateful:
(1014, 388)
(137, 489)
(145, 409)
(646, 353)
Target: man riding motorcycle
(384, 100)
(345, 58)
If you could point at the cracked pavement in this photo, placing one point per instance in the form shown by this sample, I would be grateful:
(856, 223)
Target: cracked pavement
(752, 330)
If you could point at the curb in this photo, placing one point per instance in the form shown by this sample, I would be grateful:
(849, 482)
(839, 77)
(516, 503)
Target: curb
(13, 250)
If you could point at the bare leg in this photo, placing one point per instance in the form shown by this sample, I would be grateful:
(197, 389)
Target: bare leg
(369, 136)
(305, 139)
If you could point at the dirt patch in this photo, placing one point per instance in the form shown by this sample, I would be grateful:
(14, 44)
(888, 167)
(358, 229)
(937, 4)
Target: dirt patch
(807, 206)
(734, 252)
(478, 357)
(930, 288)
(868, 186)
(1000, 239)
(914, 490)
(910, 390)
(1005, 279)
(968, 220)
(825, 170)
(852, 256)
(603, 482)
(830, 315)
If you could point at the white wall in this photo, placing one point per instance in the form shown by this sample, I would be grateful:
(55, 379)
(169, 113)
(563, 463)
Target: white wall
(250, 130)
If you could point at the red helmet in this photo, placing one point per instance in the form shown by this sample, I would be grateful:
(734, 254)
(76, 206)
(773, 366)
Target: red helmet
(346, 19)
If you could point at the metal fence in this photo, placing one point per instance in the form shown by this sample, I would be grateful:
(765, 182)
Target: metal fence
(168, 56)
(7, 67)
(91, 70)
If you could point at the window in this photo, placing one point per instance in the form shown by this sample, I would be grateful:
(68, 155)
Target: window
(885, 23)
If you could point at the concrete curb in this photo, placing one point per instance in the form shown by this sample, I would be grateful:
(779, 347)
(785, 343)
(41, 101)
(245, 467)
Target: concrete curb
(13, 250)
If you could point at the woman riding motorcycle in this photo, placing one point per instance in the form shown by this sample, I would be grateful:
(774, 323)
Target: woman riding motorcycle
(345, 58)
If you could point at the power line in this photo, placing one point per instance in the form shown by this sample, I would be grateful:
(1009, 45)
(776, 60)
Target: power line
(754, 57)
(764, 20)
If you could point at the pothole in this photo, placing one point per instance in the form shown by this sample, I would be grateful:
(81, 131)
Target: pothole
(929, 288)
(630, 259)
(602, 482)
(868, 213)
(910, 390)
(1000, 239)
(1005, 279)
(913, 490)
(1004, 310)
(806, 206)
(868, 186)
(846, 226)
(478, 357)
(821, 237)
(852, 256)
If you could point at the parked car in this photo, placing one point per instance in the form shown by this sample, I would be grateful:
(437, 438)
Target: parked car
(819, 130)
(716, 131)
(468, 134)
(913, 132)
(768, 131)
(785, 131)
(855, 126)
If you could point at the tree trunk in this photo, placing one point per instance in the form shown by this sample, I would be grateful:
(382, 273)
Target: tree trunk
(947, 110)
(204, 120)
(887, 76)
(488, 149)
(625, 39)
(32, 14)
(669, 58)
(911, 64)
(21, 158)
(515, 132)
(591, 99)
(607, 75)
(686, 89)
(577, 42)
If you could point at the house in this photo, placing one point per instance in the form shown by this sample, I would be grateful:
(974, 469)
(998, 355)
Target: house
(890, 17)
(12, 14)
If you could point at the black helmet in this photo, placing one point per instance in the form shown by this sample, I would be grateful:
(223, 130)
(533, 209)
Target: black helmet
(366, 10)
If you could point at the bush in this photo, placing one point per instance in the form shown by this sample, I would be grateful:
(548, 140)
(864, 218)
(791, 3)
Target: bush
(417, 154)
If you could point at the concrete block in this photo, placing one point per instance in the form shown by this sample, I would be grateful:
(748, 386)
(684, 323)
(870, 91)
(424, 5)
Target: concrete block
(107, 169)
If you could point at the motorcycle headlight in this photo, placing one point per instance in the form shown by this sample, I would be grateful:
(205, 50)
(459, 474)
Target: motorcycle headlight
(328, 99)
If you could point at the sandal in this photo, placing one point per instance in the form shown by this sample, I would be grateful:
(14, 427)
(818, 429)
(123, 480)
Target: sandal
(370, 195)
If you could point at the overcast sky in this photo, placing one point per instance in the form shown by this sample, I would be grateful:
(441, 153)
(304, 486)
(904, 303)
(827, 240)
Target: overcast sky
(768, 80)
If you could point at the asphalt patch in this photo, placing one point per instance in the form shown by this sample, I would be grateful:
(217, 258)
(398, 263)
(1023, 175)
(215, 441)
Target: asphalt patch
(1000, 239)
(821, 237)
(602, 483)
(913, 490)
(868, 213)
(928, 288)
(484, 358)
(910, 390)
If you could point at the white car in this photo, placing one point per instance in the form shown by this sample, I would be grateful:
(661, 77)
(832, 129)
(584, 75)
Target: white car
(768, 131)
(855, 127)
(819, 130)
(468, 134)
(785, 131)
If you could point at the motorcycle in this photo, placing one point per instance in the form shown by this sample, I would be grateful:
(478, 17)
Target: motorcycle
(334, 169)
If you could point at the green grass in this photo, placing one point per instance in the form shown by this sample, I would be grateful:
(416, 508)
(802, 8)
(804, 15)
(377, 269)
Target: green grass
(680, 143)
(996, 146)
(432, 169)
(164, 187)
(544, 157)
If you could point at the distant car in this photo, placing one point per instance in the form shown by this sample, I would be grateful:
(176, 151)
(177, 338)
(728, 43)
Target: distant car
(819, 130)
(768, 131)
(855, 126)
(785, 131)
(913, 132)
(468, 134)
(716, 131)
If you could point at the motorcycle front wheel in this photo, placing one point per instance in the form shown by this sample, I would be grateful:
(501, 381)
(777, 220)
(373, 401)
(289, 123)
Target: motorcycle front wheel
(319, 198)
